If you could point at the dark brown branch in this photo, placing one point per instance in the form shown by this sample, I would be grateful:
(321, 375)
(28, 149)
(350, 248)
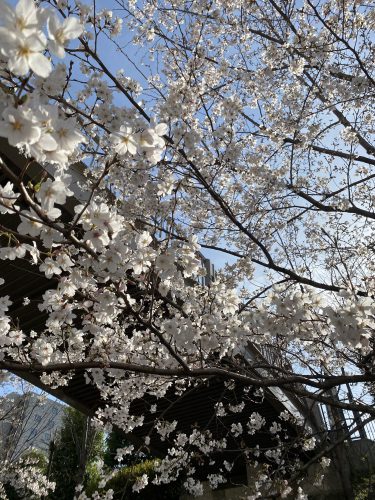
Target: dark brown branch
(329, 381)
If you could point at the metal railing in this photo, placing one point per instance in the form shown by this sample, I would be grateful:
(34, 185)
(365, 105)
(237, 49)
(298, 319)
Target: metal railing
(349, 421)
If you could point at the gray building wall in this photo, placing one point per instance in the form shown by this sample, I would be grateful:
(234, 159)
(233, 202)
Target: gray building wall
(27, 421)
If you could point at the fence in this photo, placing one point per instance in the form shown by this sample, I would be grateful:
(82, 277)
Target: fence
(347, 421)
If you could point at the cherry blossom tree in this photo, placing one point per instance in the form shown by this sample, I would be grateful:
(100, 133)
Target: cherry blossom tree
(242, 129)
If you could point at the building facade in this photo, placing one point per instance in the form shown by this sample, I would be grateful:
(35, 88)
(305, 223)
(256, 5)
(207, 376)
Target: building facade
(27, 421)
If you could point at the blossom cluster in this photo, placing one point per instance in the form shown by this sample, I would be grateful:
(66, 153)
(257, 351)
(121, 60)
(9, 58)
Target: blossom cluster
(23, 41)
(41, 132)
(25, 477)
(148, 142)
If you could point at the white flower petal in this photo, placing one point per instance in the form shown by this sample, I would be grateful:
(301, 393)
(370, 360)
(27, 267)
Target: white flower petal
(7, 13)
(161, 129)
(8, 40)
(72, 27)
(19, 65)
(132, 147)
(27, 10)
(56, 49)
(40, 65)
(47, 142)
(53, 24)
(36, 42)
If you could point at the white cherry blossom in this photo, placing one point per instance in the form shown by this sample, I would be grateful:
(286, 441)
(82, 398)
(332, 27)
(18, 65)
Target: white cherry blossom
(30, 223)
(124, 141)
(61, 33)
(23, 18)
(19, 126)
(25, 53)
(150, 141)
(8, 199)
(49, 268)
(51, 192)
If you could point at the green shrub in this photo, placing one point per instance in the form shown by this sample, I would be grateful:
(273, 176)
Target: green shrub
(123, 481)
